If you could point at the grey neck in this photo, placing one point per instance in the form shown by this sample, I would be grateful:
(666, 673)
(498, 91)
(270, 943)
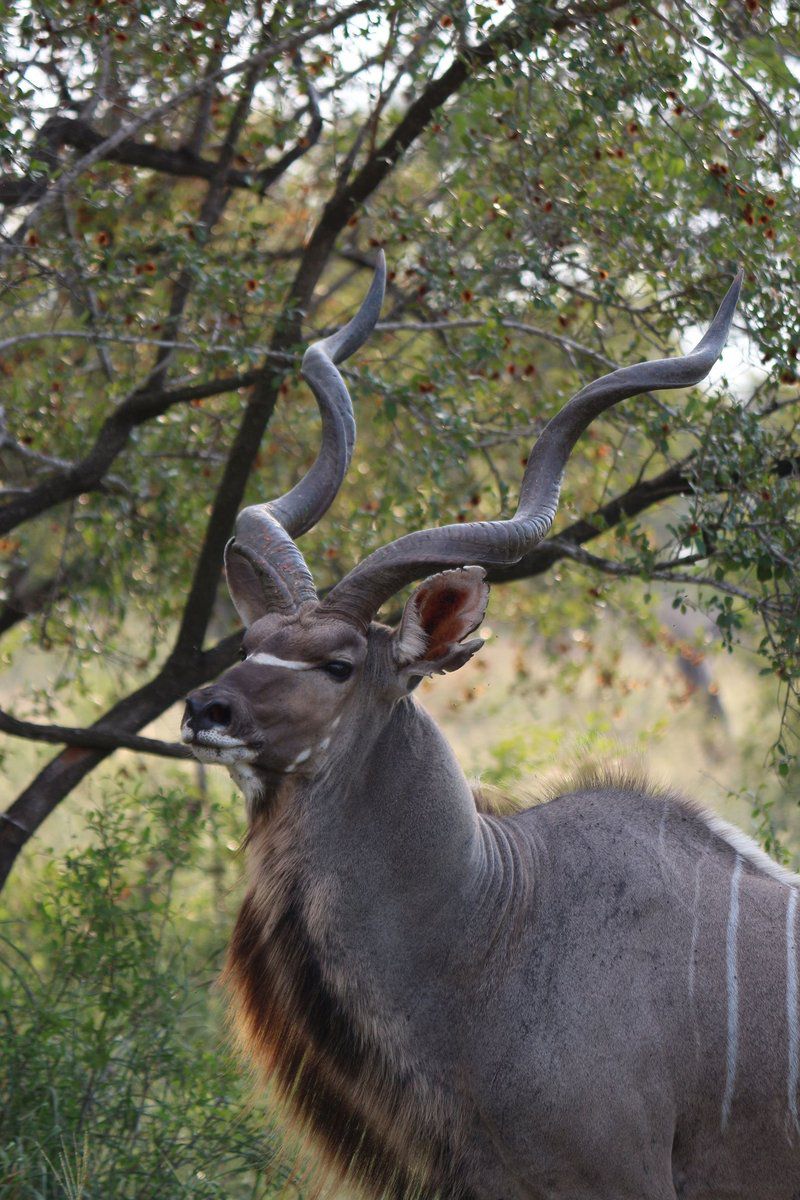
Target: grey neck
(414, 877)
(400, 824)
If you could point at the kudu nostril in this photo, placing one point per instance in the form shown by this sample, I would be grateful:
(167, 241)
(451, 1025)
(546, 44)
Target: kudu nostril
(218, 713)
(203, 713)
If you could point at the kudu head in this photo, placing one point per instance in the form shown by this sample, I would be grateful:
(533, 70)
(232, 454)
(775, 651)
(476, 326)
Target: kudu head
(319, 676)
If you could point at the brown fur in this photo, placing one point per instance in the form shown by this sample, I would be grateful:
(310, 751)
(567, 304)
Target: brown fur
(368, 1117)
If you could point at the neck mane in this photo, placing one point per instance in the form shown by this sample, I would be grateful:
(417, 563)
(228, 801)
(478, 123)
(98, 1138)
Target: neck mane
(350, 947)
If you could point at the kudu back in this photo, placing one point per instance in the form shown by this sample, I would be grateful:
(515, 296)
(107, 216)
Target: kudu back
(594, 999)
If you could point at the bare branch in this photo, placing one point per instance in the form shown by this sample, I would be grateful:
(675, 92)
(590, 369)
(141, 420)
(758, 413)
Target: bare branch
(181, 162)
(666, 572)
(124, 339)
(564, 343)
(95, 739)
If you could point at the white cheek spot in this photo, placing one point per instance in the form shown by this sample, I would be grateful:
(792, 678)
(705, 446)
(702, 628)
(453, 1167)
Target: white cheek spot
(325, 743)
(301, 758)
(336, 722)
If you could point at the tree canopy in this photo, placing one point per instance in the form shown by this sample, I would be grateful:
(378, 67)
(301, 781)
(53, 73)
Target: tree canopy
(192, 192)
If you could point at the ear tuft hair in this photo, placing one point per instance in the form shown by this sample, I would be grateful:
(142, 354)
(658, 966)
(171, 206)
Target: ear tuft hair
(411, 640)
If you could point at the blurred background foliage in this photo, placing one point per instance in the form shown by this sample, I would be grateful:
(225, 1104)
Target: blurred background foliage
(175, 228)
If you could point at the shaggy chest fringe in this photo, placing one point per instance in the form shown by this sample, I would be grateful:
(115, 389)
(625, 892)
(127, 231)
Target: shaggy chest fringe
(365, 1120)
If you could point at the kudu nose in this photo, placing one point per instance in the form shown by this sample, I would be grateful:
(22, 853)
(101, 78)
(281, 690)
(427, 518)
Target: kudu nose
(206, 712)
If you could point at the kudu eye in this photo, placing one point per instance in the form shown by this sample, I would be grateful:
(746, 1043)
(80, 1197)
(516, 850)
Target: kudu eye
(338, 669)
(242, 653)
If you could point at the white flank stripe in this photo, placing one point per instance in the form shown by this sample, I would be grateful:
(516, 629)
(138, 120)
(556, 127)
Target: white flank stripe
(695, 926)
(733, 993)
(791, 1006)
(271, 660)
(693, 951)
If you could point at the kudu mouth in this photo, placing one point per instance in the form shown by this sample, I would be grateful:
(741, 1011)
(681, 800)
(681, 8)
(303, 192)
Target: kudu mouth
(210, 746)
(204, 729)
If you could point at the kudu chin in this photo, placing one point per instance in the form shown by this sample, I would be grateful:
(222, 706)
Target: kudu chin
(594, 999)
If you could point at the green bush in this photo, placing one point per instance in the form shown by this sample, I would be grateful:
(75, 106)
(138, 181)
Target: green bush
(115, 1077)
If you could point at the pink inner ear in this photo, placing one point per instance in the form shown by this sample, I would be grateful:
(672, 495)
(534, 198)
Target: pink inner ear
(442, 617)
(437, 605)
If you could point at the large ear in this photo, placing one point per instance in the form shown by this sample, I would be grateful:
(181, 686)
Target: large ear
(438, 615)
(244, 586)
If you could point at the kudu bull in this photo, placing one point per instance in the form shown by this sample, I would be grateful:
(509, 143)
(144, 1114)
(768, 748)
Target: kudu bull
(593, 999)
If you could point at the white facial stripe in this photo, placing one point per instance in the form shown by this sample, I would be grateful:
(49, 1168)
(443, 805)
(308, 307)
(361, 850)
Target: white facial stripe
(272, 660)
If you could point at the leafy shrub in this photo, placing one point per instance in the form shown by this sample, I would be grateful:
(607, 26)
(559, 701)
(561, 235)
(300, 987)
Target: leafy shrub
(115, 1078)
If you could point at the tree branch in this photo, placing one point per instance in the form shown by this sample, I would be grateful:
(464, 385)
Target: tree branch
(181, 162)
(79, 135)
(121, 339)
(95, 739)
(665, 572)
(564, 343)
(130, 128)
(88, 473)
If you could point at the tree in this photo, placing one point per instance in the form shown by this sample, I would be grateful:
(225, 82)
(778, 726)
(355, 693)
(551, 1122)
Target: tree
(192, 191)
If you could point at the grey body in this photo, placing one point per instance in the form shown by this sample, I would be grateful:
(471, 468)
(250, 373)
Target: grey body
(557, 980)
(594, 999)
